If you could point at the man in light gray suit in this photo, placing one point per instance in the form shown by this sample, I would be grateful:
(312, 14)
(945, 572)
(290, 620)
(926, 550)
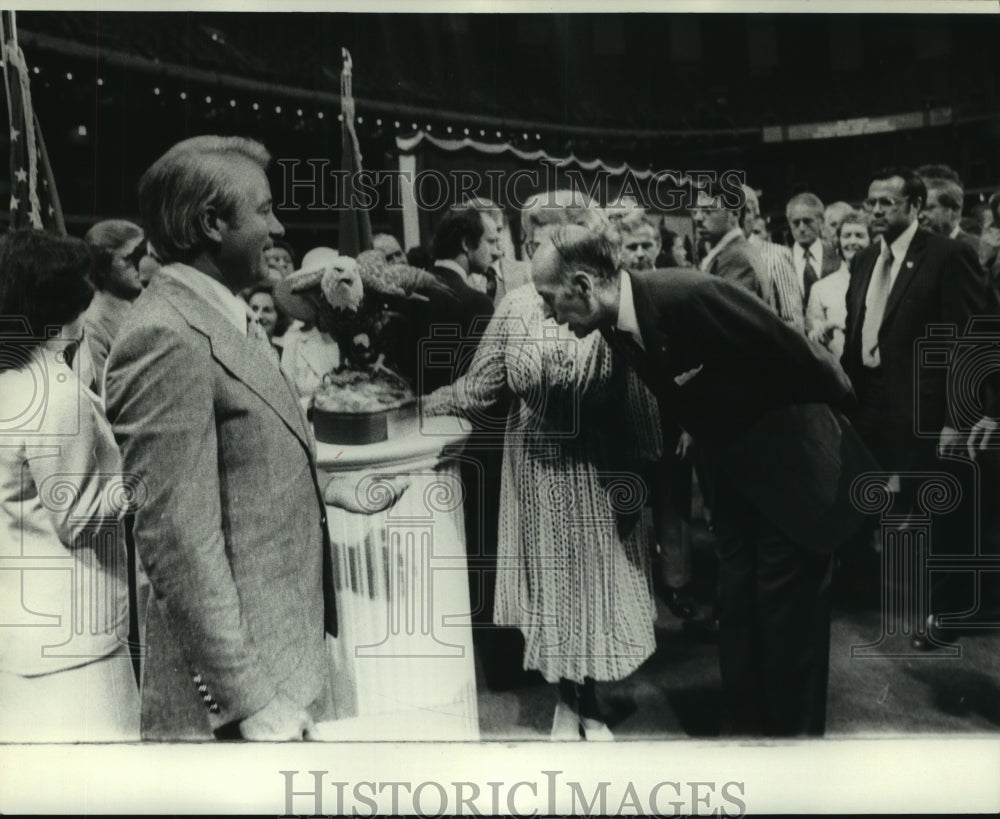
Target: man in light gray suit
(232, 528)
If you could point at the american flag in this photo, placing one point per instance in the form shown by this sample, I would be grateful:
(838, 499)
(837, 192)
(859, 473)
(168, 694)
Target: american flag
(34, 201)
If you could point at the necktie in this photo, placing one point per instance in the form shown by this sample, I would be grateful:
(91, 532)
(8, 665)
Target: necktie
(809, 277)
(492, 282)
(875, 301)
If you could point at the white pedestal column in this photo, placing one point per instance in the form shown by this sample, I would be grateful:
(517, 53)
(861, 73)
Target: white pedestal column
(403, 665)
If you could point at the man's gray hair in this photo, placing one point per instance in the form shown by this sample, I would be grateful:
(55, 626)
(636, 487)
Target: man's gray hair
(580, 248)
(810, 200)
(194, 175)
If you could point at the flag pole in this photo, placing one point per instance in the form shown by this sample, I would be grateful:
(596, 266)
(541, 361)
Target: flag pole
(4, 24)
(355, 230)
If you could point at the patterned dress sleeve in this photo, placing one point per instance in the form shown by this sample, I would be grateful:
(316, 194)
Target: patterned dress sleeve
(485, 382)
(607, 386)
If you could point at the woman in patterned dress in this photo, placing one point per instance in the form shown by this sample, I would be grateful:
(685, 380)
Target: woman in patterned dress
(573, 571)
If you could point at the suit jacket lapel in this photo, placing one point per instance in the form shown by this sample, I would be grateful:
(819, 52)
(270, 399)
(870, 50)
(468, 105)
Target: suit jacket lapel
(233, 351)
(907, 270)
(863, 276)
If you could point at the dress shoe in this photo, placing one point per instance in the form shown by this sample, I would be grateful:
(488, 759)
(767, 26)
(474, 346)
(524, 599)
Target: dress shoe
(565, 724)
(679, 600)
(594, 730)
(932, 638)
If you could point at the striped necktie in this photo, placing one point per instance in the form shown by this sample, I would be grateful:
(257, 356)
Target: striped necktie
(809, 277)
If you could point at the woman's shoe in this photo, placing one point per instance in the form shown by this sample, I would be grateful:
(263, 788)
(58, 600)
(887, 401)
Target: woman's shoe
(594, 730)
(565, 724)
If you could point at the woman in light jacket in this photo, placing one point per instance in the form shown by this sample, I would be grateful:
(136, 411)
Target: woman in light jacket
(65, 669)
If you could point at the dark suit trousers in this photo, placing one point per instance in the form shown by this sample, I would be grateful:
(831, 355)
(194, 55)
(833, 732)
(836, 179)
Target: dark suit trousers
(896, 448)
(774, 623)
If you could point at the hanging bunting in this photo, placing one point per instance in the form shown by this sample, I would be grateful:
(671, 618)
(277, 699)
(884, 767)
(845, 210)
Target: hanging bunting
(407, 144)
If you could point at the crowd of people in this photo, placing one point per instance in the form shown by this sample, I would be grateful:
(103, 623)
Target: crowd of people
(163, 444)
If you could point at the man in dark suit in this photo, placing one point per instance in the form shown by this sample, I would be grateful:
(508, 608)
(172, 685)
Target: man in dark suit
(505, 273)
(758, 398)
(464, 244)
(812, 257)
(730, 256)
(942, 212)
(231, 527)
(906, 281)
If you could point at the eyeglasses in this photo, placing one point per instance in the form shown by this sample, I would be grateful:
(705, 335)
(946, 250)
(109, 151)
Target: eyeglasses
(883, 202)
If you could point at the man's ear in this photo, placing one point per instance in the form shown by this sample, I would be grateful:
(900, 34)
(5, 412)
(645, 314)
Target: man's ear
(582, 280)
(210, 224)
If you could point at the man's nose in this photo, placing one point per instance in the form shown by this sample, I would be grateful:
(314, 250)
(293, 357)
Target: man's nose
(274, 227)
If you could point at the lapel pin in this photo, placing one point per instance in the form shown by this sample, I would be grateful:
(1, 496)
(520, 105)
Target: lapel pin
(909, 265)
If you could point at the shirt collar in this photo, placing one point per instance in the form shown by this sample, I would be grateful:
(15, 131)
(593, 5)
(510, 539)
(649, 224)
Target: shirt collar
(628, 322)
(815, 251)
(901, 243)
(497, 268)
(732, 236)
(955, 232)
(451, 264)
(211, 291)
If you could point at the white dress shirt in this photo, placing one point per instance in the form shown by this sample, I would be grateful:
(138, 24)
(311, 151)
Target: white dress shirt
(215, 293)
(628, 322)
(828, 308)
(899, 248)
(799, 258)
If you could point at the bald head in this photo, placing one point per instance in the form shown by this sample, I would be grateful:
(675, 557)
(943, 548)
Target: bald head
(576, 274)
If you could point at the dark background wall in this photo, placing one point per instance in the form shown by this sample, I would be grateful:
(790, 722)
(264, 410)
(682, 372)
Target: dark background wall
(655, 90)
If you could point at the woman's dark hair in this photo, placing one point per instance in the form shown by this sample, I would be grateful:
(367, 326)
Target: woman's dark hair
(667, 239)
(419, 256)
(288, 249)
(284, 321)
(44, 284)
(107, 238)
